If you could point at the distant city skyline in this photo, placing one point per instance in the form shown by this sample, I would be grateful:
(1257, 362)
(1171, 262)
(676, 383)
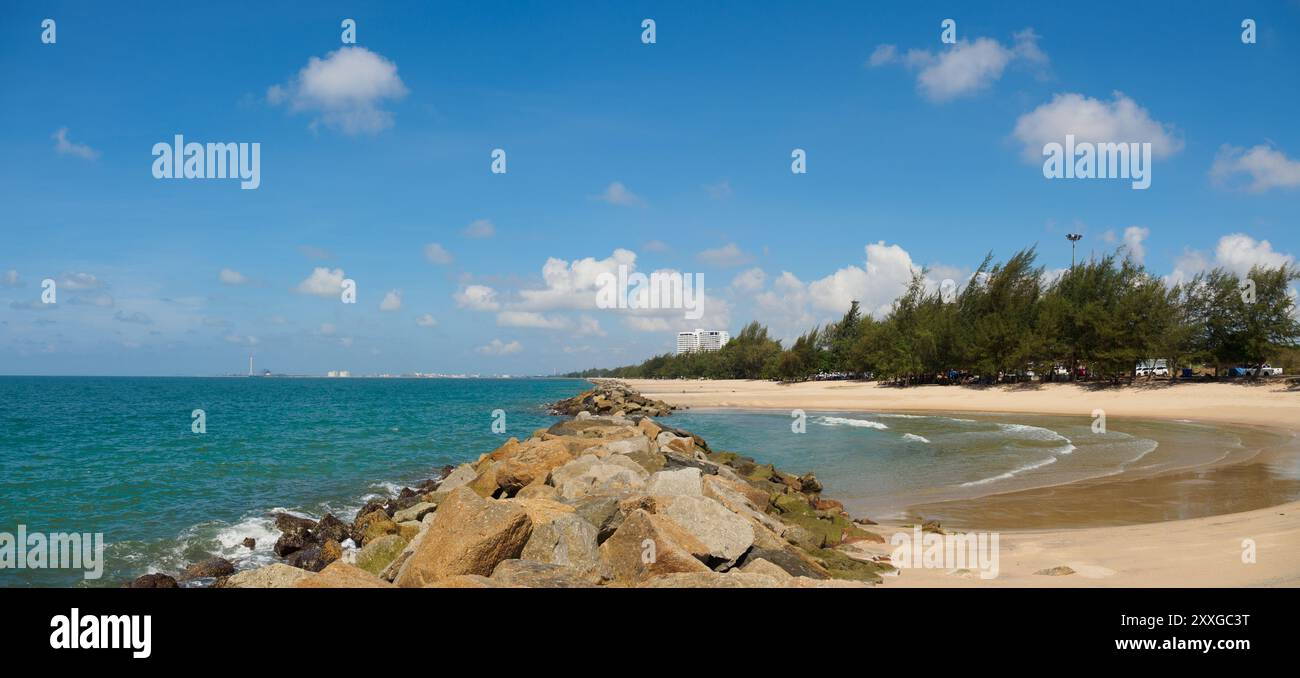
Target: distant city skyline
(376, 166)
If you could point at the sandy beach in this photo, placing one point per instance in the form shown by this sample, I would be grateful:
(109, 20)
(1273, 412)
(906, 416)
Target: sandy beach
(1269, 405)
(1204, 551)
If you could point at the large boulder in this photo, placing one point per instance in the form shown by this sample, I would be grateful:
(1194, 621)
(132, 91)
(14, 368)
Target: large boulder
(313, 558)
(212, 567)
(566, 540)
(531, 574)
(273, 576)
(156, 580)
(459, 477)
(340, 575)
(541, 511)
(532, 462)
(725, 535)
(372, 525)
(415, 512)
(682, 481)
(329, 528)
(712, 580)
(589, 475)
(792, 560)
(464, 581)
(394, 568)
(377, 554)
(766, 567)
(633, 444)
(468, 535)
(646, 545)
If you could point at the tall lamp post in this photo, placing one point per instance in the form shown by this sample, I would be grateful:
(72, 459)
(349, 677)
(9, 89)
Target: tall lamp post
(1073, 238)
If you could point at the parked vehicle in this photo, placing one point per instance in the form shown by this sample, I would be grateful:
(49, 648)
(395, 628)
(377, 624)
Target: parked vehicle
(1152, 368)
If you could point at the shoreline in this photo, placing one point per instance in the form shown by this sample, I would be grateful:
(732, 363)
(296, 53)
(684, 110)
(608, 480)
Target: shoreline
(1271, 403)
(1201, 551)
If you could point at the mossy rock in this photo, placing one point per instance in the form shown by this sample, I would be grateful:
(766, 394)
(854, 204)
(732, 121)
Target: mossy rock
(723, 457)
(842, 566)
(789, 503)
(827, 527)
(761, 473)
(376, 555)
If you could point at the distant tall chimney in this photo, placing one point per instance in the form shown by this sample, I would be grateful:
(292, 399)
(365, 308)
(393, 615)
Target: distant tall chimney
(250, 364)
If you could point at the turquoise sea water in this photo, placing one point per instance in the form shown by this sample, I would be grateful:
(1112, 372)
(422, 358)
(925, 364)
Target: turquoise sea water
(117, 455)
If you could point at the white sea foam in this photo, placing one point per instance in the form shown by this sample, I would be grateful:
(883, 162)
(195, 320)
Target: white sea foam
(845, 421)
(1029, 432)
(1012, 473)
(913, 436)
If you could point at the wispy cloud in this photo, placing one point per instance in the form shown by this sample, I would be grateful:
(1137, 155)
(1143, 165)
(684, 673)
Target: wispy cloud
(64, 146)
(480, 228)
(618, 194)
(964, 68)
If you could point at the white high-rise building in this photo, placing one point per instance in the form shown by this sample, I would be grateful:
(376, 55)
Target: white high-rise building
(701, 340)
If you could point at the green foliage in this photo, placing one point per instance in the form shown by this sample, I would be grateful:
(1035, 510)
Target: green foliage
(1011, 318)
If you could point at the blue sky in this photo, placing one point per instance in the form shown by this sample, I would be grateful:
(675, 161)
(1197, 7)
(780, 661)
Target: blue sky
(920, 154)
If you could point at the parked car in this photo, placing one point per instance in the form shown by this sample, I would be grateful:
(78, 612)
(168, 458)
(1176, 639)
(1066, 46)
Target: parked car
(1152, 368)
(1265, 370)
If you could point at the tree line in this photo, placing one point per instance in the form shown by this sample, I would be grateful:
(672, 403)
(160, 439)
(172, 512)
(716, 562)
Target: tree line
(1096, 320)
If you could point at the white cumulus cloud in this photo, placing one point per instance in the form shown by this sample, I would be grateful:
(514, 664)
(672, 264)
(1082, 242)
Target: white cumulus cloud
(1266, 167)
(477, 298)
(346, 90)
(1120, 120)
(323, 282)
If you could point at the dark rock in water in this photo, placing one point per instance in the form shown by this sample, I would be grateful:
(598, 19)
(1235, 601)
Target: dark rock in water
(329, 528)
(404, 503)
(285, 522)
(212, 567)
(810, 483)
(371, 506)
(292, 541)
(250, 543)
(311, 559)
(153, 581)
(406, 492)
